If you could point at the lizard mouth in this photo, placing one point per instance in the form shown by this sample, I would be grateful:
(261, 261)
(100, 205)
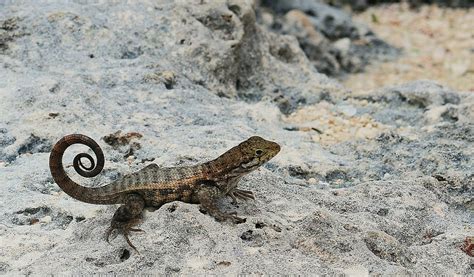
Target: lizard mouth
(274, 149)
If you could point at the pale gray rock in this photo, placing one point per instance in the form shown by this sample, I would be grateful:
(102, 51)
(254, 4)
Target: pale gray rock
(334, 43)
(399, 204)
(360, 5)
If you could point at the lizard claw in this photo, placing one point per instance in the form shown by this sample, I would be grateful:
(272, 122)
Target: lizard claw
(108, 233)
(137, 230)
(237, 220)
(129, 242)
(230, 216)
(240, 194)
(207, 196)
(125, 229)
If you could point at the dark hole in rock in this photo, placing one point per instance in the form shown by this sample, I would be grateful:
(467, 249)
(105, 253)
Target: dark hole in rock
(30, 216)
(336, 175)
(168, 85)
(338, 31)
(169, 270)
(311, 13)
(182, 41)
(99, 264)
(172, 208)
(35, 144)
(389, 137)
(224, 263)
(134, 146)
(147, 159)
(200, 82)
(354, 34)
(132, 54)
(54, 88)
(297, 171)
(328, 21)
(235, 9)
(222, 94)
(128, 55)
(91, 56)
(247, 235)
(53, 115)
(80, 218)
(5, 138)
(285, 52)
(382, 212)
(440, 178)
(260, 225)
(282, 52)
(277, 26)
(125, 255)
(344, 247)
(118, 139)
(276, 228)
(30, 211)
(62, 220)
(237, 84)
(450, 115)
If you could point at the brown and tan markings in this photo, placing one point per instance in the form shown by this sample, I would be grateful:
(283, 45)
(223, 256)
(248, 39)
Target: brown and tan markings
(152, 186)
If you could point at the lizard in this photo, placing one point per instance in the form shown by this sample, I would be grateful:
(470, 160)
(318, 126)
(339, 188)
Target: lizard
(153, 186)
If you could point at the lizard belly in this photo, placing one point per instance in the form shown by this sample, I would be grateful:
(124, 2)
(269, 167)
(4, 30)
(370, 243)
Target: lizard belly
(159, 186)
(160, 196)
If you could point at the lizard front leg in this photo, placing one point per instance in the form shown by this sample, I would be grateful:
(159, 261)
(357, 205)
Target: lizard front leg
(207, 196)
(127, 216)
(241, 194)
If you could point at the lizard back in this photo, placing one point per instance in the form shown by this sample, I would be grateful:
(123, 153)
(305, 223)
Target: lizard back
(157, 185)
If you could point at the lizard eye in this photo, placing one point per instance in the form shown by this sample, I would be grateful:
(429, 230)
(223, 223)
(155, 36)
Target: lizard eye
(258, 152)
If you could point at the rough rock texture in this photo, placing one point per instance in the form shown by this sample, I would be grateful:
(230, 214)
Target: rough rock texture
(359, 5)
(393, 195)
(334, 43)
(439, 46)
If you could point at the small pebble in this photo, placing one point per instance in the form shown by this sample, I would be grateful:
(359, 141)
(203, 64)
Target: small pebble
(46, 219)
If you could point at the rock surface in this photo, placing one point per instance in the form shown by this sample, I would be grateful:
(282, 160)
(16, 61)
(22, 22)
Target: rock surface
(377, 182)
(334, 44)
(359, 5)
(437, 47)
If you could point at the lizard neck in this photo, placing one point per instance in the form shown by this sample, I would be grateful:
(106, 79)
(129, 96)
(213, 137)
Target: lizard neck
(224, 168)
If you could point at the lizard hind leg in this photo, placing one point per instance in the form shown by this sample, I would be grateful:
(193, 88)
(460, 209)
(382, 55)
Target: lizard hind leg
(126, 217)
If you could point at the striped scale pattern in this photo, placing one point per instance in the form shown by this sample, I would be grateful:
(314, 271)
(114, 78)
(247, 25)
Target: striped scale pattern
(158, 185)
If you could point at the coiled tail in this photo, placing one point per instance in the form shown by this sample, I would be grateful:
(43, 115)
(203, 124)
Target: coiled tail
(73, 189)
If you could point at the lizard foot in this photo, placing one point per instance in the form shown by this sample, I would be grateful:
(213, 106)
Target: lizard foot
(229, 216)
(126, 217)
(124, 228)
(208, 196)
(240, 194)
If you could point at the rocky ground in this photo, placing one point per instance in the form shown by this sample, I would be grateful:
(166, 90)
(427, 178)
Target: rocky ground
(439, 46)
(367, 182)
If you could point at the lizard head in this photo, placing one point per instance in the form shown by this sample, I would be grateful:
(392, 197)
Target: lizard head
(257, 151)
(248, 155)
